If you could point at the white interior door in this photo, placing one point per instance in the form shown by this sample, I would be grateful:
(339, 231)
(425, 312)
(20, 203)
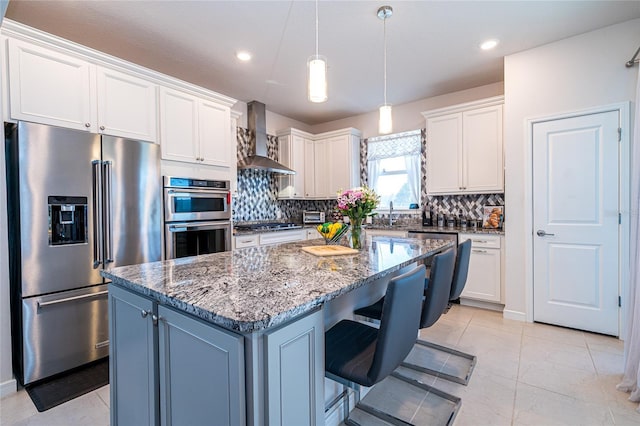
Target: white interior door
(575, 222)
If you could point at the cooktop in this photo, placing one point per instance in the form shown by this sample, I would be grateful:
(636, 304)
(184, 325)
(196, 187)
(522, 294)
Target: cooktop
(267, 226)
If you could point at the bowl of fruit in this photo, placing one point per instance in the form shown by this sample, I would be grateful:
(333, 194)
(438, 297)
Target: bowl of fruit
(332, 232)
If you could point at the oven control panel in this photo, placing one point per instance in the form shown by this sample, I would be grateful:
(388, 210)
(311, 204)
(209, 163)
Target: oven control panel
(178, 182)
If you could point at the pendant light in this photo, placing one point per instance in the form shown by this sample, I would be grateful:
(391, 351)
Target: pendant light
(385, 123)
(317, 72)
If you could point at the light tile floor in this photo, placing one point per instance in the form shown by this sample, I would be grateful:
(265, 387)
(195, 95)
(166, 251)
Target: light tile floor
(526, 374)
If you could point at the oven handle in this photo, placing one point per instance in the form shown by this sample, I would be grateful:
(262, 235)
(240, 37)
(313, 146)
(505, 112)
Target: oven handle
(195, 192)
(181, 227)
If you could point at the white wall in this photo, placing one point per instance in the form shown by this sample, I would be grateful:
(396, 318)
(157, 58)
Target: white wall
(7, 382)
(274, 122)
(568, 75)
(408, 116)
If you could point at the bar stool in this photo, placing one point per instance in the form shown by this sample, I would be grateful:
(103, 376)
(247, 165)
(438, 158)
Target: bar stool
(458, 281)
(357, 354)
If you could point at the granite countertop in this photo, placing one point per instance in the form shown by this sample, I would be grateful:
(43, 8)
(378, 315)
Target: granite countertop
(405, 228)
(435, 229)
(256, 288)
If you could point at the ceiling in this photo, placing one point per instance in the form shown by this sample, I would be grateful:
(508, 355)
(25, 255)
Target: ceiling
(432, 45)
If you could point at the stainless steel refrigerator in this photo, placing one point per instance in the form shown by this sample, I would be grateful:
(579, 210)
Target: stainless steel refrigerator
(77, 203)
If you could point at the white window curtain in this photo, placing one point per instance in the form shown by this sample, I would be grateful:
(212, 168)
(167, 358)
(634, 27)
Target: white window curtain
(404, 145)
(631, 378)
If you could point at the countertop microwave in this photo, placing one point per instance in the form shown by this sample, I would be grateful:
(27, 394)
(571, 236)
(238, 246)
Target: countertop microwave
(313, 217)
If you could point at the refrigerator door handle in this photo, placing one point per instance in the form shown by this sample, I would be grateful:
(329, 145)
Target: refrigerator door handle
(72, 298)
(97, 213)
(108, 256)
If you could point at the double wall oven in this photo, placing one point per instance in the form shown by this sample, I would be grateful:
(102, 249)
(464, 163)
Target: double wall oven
(197, 216)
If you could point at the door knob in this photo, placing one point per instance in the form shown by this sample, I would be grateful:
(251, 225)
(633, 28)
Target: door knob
(542, 233)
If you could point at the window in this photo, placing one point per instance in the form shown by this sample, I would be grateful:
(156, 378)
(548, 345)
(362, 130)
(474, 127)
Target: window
(394, 168)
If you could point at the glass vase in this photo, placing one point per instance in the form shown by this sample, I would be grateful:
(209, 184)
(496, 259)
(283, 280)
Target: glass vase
(356, 240)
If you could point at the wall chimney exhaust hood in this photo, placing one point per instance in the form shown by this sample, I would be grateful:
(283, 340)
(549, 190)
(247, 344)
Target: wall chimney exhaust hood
(258, 160)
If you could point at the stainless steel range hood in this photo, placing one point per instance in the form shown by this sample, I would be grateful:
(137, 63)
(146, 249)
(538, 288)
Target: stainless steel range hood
(258, 160)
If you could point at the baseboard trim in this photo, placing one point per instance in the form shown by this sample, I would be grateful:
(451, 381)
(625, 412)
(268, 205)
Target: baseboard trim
(482, 304)
(514, 315)
(9, 387)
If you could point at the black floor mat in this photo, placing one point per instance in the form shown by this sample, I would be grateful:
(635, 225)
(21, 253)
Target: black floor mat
(66, 386)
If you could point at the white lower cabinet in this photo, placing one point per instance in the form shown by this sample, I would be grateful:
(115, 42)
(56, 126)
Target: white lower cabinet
(312, 233)
(484, 281)
(250, 240)
(279, 237)
(386, 233)
(268, 238)
(189, 372)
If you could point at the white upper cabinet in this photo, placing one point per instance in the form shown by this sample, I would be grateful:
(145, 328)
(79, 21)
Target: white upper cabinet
(291, 146)
(179, 126)
(324, 163)
(465, 148)
(215, 134)
(127, 105)
(343, 162)
(194, 129)
(50, 87)
(309, 169)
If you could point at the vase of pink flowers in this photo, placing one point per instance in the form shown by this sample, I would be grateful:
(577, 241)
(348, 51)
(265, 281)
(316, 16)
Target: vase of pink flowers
(357, 204)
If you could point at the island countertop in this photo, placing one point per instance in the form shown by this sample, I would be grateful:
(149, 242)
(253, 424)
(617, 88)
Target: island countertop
(255, 288)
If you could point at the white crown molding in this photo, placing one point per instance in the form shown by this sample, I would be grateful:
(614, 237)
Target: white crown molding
(340, 132)
(487, 102)
(23, 32)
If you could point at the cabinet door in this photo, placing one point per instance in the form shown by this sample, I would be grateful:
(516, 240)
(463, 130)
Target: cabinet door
(49, 87)
(444, 154)
(178, 126)
(247, 241)
(127, 105)
(285, 182)
(340, 164)
(482, 141)
(214, 135)
(201, 372)
(291, 154)
(132, 374)
(295, 372)
(321, 152)
(309, 169)
(484, 279)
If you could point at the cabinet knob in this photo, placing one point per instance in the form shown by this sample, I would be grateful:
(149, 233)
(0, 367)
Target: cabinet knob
(144, 313)
(101, 127)
(201, 158)
(87, 124)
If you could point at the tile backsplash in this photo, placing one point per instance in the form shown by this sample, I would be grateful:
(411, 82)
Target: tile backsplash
(257, 198)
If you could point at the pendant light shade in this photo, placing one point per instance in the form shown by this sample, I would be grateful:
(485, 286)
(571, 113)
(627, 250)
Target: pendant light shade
(385, 123)
(317, 72)
(317, 68)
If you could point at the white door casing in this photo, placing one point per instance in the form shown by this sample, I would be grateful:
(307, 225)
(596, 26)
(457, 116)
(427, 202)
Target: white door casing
(576, 203)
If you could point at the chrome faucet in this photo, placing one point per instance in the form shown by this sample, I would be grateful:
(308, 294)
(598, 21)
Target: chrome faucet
(390, 213)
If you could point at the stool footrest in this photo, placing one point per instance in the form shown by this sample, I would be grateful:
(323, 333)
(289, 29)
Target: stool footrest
(464, 380)
(382, 415)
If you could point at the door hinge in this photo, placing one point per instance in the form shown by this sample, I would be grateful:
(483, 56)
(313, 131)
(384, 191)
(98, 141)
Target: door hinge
(619, 134)
(619, 218)
(620, 301)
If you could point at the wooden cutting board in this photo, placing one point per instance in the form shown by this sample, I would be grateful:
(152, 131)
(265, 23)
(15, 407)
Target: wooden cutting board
(329, 250)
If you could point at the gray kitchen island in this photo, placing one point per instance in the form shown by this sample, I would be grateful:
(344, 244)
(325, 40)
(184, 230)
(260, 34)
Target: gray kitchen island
(238, 337)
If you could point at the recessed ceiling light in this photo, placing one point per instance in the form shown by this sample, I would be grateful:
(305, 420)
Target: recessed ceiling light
(243, 56)
(489, 44)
